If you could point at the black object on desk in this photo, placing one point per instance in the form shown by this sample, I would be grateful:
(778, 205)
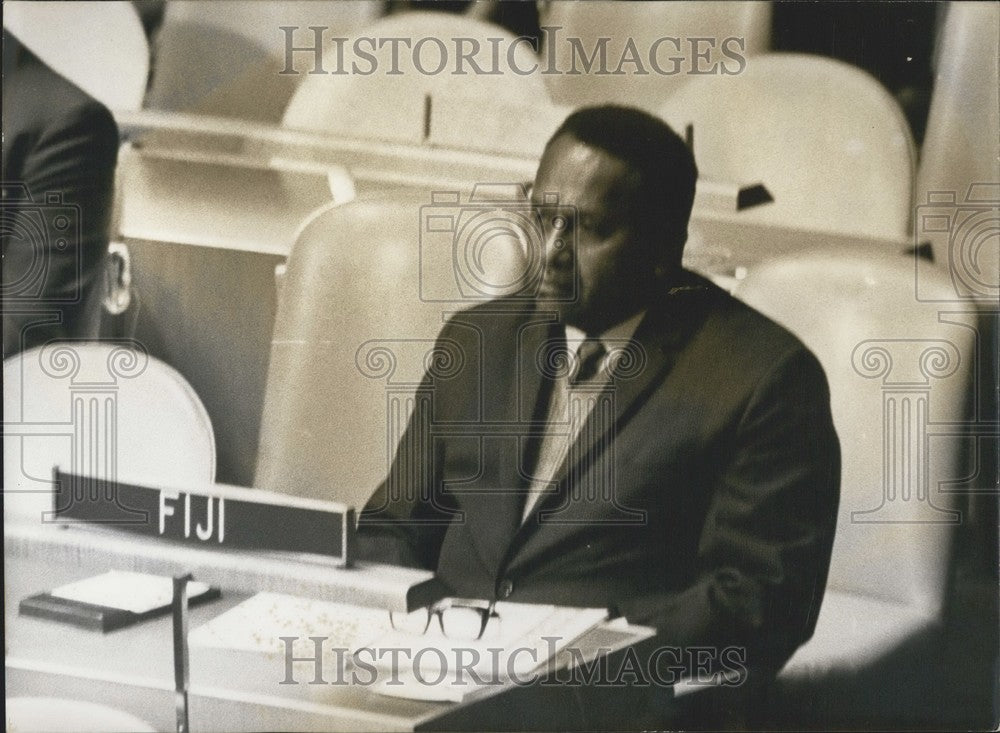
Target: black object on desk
(92, 616)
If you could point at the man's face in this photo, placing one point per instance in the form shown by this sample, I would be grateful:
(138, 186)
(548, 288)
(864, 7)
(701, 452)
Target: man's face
(598, 244)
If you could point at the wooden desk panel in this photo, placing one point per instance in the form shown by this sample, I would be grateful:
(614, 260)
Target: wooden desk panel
(209, 313)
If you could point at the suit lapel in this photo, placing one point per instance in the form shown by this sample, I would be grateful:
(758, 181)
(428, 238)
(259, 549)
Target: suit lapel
(640, 370)
(525, 401)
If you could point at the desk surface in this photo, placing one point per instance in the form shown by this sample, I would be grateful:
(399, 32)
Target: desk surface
(132, 668)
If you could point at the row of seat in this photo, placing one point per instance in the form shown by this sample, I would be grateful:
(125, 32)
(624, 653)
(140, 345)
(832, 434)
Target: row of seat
(826, 138)
(199, 233)
(352, 337)
(219, 204)
(801, 125)
(327, 373)
(224, 57)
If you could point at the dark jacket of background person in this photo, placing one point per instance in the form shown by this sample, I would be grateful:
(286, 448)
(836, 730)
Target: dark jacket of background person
(722, 436)
(60, 147)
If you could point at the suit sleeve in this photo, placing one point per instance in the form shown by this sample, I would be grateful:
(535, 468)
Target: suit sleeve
(764, 552)
(405, 520)
(73, 159)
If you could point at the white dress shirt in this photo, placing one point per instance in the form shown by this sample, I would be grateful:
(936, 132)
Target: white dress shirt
(570, 406)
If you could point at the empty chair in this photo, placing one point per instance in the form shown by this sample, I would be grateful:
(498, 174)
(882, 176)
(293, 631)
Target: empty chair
(366, 291)
(827, 140)
(393, 96)
(697, 37)
(107, 410)
(225, 57)
(900, 373)
(958, 182)
(99, 46)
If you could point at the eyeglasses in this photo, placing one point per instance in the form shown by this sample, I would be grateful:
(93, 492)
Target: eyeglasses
(461, 619)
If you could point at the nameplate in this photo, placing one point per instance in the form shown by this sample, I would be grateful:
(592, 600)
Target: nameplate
(216, 516)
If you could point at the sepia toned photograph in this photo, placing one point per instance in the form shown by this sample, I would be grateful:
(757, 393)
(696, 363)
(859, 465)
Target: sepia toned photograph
(501, 365)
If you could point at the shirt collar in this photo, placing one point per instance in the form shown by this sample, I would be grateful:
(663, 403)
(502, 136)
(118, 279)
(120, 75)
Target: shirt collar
(612, 337)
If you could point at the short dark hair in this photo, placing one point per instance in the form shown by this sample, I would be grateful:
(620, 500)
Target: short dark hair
(661, 159)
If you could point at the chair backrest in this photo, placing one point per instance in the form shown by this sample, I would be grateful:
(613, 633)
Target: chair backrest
(225, 57)
(397, 105)
(100, 409)
(99, 46)
(514, 129)
(900, 374)
(698, 36)
(959, 174)
(827, 140)
(367, 288)
(218, 200)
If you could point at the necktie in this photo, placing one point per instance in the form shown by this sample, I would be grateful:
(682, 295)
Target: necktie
(566, 415)
(589, 357)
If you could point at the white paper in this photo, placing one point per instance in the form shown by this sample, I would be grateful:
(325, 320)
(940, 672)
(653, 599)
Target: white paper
(257, 624)
(135, 592)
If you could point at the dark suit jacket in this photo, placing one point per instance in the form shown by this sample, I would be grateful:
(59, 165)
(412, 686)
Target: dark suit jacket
(60, 147)
(714, 521)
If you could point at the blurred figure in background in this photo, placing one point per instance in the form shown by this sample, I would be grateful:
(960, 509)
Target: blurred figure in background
(60, 148)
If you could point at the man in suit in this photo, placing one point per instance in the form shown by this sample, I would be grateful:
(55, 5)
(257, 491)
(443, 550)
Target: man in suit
(632, 437)
(60, 147)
